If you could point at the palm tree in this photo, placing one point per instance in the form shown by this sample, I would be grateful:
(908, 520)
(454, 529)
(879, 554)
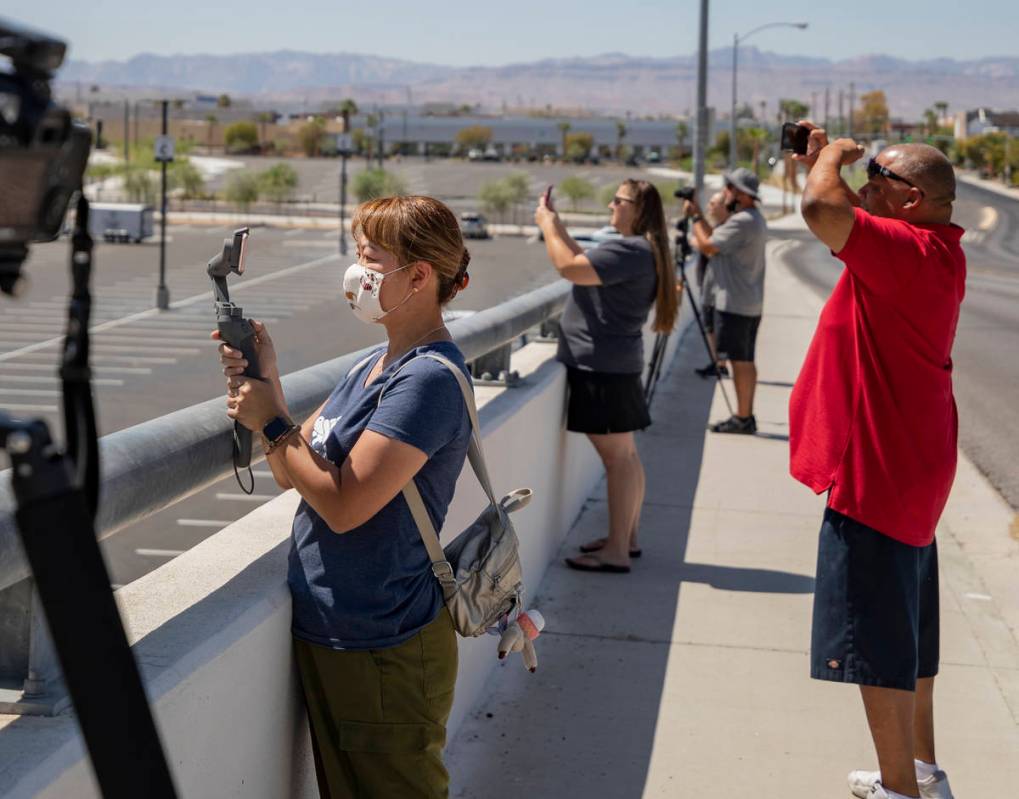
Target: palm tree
(682, 130)
(346, 110)
(564, 128)
(942, 108)
(620, 135)
(212, 119)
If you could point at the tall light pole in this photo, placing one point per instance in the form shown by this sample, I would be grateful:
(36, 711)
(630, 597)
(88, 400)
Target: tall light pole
(736, 39)
(700, 136)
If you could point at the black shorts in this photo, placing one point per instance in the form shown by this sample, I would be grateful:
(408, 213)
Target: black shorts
(876, 619)
(709, 318)
(736, 336)
(602, 402)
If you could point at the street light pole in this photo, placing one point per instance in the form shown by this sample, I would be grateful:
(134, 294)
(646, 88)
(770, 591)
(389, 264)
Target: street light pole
(700, 137)
(162, 292)
(736, 39)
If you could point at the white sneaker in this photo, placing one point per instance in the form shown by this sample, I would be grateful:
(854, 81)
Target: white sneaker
(862, 783)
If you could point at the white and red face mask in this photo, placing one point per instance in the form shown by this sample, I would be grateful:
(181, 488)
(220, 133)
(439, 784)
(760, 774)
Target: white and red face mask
(362, 288)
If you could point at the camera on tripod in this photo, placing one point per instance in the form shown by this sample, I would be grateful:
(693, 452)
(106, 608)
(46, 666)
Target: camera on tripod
(683, 247)
(43, 151)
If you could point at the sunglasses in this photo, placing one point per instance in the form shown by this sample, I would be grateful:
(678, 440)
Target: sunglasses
(617, 200)
(874, 169)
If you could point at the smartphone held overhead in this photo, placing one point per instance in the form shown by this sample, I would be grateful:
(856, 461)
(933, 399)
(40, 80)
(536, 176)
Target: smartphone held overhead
(548, 196)
(795, 138)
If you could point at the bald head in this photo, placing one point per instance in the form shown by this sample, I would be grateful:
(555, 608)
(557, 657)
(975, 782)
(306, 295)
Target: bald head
(926, 167)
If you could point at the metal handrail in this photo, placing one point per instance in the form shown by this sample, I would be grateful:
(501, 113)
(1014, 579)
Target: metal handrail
(155, 464)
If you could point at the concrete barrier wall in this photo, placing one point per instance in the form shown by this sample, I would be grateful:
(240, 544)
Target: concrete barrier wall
(211, 629)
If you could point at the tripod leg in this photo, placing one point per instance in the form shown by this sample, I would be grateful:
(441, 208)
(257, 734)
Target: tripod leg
(704, 335)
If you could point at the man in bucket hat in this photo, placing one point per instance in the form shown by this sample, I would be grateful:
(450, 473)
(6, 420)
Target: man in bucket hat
(736, 249)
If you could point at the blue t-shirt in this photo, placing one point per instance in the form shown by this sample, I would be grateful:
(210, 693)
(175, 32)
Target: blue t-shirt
(373, 587)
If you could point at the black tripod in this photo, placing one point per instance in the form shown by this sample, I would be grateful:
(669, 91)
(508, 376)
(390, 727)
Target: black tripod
(683, 251)
(57, 496)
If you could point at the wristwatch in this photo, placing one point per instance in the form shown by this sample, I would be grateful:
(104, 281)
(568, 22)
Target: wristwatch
(277, 429)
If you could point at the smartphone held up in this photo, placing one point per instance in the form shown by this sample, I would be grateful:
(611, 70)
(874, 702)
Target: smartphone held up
(795, 138)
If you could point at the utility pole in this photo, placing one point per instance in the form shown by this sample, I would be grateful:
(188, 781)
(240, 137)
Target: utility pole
(162, 292)
(841, 117)
(813, 105)
(827, 100)
(344, 155)
(700, 138)
(852, 102)
(127, 130)
(382, 116)
(732, 111)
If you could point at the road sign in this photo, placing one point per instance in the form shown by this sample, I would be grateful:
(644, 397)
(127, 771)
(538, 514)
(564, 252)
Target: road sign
(164, 148)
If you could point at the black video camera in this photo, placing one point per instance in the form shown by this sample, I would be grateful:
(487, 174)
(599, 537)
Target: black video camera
(684, 193)
(43, 151)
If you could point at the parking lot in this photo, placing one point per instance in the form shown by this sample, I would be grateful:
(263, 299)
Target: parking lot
(147, 363)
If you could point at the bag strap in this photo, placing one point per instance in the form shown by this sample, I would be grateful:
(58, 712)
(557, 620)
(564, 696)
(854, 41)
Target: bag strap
(441, 567)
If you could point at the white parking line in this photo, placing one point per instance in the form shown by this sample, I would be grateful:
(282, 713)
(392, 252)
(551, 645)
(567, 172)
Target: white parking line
(100, 348)
(295, 232)
(309, 243)
(48, 367)
(189, 301)
(202, 523)
(30, 392)
(160, 553)
(246, 497)
(50, 379)
(31, 408)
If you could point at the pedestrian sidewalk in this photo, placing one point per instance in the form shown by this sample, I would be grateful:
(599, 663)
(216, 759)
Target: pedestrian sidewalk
(689, 676)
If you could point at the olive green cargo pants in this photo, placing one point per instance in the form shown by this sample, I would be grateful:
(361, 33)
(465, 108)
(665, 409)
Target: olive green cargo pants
(378, 717)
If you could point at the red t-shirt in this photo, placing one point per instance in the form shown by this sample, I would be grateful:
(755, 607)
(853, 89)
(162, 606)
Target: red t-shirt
(872, 416)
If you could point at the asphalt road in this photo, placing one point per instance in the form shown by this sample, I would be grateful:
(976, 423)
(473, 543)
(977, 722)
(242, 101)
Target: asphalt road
(148, 366)
(986, 368)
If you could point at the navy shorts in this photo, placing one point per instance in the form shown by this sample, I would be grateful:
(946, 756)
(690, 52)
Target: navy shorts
(876, 619)
(736, 336)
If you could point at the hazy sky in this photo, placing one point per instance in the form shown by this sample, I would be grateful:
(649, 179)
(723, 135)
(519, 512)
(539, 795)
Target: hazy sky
(492, 33)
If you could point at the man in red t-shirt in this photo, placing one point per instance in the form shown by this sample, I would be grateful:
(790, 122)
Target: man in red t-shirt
(873, 422)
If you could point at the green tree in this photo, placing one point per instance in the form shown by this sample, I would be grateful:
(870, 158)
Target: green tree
(264, 118)
(224, 101)
(241, 137)
(474, 137)
(621, 132)
(371, 184)
(362, 142)
(347, 109)
(518, 188)
(792, 110)
(930, 121)
(309, 137)
(278, 183)
(682, 132)
(496, 197)
(606, 193)
(185, 176)
(139, 184)
(873, 114)
(242, 189)
(575, 189)
(578, 146)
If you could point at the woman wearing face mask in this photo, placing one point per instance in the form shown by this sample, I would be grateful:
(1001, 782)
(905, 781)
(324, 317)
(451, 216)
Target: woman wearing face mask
(374, 643)
(601, 343)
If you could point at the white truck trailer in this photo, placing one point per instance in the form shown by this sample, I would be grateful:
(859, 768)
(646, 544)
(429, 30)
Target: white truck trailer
(121, 222)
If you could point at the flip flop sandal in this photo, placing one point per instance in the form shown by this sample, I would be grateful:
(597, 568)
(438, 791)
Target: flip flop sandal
(587, 549)
(597, 566)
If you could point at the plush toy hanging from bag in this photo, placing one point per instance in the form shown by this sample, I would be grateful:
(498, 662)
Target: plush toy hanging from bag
(519, 635)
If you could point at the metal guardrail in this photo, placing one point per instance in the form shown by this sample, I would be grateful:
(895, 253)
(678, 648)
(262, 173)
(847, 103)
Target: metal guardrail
(155, 464)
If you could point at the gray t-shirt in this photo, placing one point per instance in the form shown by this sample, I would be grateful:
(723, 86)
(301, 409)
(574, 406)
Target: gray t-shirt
(738, 267)
(601, 328)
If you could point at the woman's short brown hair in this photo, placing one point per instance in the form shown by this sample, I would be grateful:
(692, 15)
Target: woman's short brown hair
(417, 228)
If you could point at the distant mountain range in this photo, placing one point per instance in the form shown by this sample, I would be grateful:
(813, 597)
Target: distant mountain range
(611, 83)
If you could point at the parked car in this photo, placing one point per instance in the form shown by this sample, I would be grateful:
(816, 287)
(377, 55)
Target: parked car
(473, 226)
(654, 157)
(491, 154)
(474, 154)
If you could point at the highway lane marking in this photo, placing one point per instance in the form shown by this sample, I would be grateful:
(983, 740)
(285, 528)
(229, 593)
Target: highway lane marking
(246, 497)
(202, 523)
(189, 301)
(159, 553)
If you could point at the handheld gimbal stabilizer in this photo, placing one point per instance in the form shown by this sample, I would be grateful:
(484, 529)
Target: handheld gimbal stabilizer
(236, 331)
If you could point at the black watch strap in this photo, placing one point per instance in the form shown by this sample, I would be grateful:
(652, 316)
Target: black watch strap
(276, 428)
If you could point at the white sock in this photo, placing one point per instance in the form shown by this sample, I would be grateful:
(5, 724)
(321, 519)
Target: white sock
(924, 769)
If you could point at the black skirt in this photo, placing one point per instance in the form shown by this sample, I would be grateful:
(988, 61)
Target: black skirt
(603, 402)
